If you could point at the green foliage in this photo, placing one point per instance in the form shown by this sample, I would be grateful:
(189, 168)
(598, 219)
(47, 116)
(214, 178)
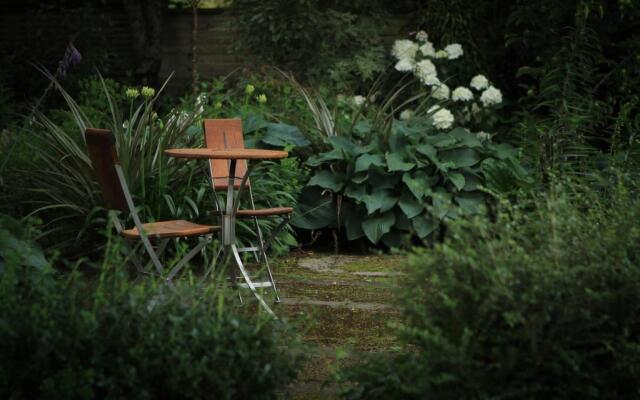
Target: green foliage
(391, 186)
(16, 245)
(543, 302)
(106, 337)
(581, 75)
(311, 38)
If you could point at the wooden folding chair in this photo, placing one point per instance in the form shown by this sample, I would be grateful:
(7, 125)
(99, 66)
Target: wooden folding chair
(104, 157)
(220, 134)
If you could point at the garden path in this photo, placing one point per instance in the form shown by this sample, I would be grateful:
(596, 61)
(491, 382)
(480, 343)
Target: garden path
(346, 302)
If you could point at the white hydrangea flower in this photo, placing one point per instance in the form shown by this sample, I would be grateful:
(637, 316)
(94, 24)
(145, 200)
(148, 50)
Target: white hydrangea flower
(441, 54)
(422, 36)
(442, 119)
(461, 93)
(405, 65)
(454, 50)
(404, 49)
(431, 80)
(479, 82)
(358, 100)
(483, 136)
(406, 114)
(426, 71)
(491, 96)
(427, 49)
(441, 92)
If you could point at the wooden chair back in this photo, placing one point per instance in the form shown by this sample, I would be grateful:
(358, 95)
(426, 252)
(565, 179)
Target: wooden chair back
(221, 134)
(101, 145)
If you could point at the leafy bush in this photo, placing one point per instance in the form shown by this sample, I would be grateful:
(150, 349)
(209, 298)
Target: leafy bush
(71, 336)
(543, 302)
(398, 165)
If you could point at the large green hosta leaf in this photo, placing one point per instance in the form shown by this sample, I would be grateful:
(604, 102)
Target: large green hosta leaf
(409, 205)
(457, 179)
(465, 138)
(374, 226)
(333, 181)
(352, 216)
(460, 157)
(379, 199)
(395, 162)
(283, 134)
(471, 202)
(315, 209)
(367, 160)
(424, 225)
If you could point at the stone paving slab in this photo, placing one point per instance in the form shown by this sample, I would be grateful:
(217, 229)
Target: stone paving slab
(348, 301)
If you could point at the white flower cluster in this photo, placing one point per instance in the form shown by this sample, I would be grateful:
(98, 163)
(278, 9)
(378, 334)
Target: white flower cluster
(442, 118)
(420, 58)
(461, 93)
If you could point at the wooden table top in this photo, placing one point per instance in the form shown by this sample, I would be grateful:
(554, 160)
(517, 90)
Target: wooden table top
(228, 154)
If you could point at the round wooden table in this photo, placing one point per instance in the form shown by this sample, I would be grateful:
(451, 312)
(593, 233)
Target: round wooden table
(233, 199)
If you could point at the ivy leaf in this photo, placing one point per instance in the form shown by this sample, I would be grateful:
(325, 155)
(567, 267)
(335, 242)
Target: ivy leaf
(374, 226)
(395, 163)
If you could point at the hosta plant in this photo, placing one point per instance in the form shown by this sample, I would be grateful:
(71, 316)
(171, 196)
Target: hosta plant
(394, 170)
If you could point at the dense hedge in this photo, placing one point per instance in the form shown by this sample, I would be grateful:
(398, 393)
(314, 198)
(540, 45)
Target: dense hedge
(69, 337)
(540, 304)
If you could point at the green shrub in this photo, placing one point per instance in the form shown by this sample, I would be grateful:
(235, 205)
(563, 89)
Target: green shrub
(543, 302)
(76, 337)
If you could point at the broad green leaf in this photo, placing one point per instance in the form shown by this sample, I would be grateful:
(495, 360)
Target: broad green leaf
(374, 226)
(503, 150)
(409, 205)
(252, 122)
(380, 199)
(380, 179)
(366, 160)
(360, 177)
(471, 202)
(343, 144)
(465, 138)
(457, 179)
(282, 134)
(459, 157)
(396, 163)
(314, 210)
(328, 180)
(440, 140)
(416, 187)
(441, 204)
(427, 150)
(395, 239)
(424, 225)
(362, 128)
(471, 181)
(356, 192)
